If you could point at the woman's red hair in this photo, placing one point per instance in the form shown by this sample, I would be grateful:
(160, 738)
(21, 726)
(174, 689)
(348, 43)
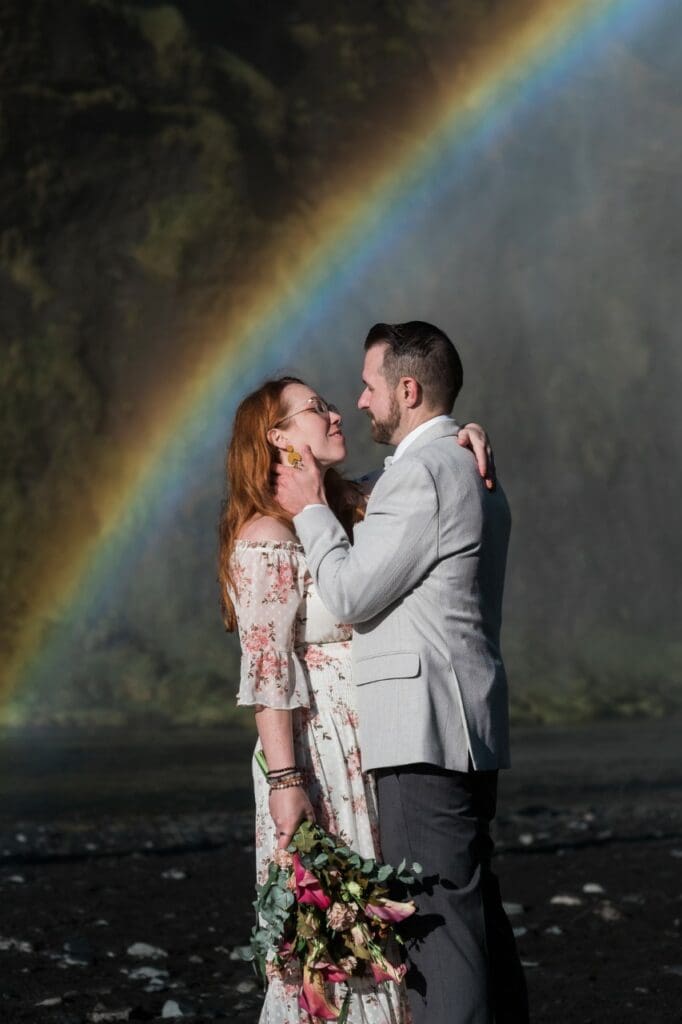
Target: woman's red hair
(250, 458)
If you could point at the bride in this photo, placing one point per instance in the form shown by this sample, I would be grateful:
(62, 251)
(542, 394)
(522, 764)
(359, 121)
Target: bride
(296, 659)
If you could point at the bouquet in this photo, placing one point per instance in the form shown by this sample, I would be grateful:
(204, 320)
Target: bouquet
(326, 909)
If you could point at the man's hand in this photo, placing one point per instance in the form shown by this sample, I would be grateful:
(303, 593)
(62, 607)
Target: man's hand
(296, 487)
(474, 437)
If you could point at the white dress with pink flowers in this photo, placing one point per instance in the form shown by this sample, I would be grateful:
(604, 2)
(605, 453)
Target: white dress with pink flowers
(296, 656)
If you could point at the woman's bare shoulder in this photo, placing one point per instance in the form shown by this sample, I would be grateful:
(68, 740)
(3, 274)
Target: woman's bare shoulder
(266, 528)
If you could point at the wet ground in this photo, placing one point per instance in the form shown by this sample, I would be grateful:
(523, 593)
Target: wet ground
(126, 874)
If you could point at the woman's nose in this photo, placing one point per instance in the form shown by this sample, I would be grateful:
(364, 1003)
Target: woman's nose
(334, 415)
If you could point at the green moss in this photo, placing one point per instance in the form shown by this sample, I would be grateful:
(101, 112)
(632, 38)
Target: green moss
(266, 105)
(306, 35)
(163, 27)
(21, 264)
(115, 96)
(181, 219)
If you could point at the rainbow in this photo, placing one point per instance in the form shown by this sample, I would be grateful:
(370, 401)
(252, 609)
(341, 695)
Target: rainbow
(526, 60)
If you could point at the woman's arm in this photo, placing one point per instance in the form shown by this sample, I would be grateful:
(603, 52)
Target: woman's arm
(288, 807)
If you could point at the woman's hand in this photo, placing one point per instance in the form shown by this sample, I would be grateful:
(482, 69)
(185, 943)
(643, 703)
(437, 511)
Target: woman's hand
(474, 437)
(288, 808)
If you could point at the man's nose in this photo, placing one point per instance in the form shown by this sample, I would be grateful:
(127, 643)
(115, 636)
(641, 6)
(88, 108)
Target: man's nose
(362, 400)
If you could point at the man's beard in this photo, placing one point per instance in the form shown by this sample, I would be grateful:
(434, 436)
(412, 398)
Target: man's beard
(383, 430)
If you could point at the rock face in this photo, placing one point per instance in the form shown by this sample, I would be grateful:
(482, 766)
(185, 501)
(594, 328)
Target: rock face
(150, 154)
(160, 162)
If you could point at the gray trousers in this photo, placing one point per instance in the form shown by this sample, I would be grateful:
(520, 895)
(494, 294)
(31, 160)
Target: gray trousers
(463, 967)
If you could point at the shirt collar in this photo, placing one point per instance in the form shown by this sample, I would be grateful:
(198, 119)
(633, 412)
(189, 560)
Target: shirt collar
(414, 434)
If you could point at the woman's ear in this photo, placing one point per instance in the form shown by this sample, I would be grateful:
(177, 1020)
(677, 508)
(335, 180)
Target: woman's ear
(277, 438)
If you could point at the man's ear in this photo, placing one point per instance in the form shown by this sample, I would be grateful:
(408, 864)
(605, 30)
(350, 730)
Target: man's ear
(410, 391)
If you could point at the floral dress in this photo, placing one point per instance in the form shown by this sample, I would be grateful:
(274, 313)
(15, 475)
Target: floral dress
(296, 656)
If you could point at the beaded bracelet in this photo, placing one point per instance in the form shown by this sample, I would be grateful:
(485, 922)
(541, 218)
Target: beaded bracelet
(289, 784)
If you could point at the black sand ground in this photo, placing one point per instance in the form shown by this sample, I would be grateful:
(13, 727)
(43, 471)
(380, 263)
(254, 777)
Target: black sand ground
(112, 839)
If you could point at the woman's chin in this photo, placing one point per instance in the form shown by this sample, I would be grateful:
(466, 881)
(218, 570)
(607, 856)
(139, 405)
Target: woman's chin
(333, 460)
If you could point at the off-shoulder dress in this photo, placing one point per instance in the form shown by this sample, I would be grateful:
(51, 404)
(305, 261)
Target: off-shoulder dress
(297, 657)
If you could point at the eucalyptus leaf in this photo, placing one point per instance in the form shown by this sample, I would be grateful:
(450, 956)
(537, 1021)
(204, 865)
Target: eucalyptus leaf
(345, 1006)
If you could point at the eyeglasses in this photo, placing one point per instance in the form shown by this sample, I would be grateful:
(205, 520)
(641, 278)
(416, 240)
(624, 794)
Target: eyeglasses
(314, 404)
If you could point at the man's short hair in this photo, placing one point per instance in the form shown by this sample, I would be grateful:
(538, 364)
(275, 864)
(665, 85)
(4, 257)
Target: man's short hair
(420, 350)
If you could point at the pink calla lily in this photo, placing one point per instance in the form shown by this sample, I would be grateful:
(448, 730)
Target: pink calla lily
(308, 888)
(384, 971)
(331, 971)
(312, 997)
(390, 910)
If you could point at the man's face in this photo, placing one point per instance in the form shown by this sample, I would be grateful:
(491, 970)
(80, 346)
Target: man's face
(377, 399)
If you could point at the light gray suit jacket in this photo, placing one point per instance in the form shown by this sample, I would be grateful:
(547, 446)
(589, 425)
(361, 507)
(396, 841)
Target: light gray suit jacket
(422, 584)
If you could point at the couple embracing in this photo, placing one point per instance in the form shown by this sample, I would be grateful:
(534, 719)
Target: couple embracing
(369, 621)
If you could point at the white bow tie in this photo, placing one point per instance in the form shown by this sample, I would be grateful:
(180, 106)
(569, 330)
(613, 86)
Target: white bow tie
(388, 461)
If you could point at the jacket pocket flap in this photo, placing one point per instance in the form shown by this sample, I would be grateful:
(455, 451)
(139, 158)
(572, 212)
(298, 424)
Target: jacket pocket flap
(391, 665)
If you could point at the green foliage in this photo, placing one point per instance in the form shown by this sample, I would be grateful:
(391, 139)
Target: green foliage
(290, 926)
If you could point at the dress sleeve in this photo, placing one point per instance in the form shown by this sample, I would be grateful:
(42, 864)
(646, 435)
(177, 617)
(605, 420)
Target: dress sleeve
(270, 583)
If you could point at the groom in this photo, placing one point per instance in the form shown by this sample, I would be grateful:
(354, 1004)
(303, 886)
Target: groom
(422, 585)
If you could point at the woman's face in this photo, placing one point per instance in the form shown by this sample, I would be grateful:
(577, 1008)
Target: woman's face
(306, 423)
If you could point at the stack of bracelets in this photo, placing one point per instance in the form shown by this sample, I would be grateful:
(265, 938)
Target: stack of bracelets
(285, 778)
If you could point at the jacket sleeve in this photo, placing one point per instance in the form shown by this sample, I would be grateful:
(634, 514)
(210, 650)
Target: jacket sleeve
(393, 548)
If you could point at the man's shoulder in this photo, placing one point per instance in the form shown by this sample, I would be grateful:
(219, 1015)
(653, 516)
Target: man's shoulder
(443, 451)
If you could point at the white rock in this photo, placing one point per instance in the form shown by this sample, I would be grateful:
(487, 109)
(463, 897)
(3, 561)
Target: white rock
(101, 922)
(100, 1015)
(194, 959)
(143, 949)
(171, 1009)
(593, 888)
(608, 912)
(21, 838)
(530, 963)
(52, 1001)
(673, 969)
(17, 879)
(526, 839)
(518, 932)
(676, 853)
(146, 973)
(175, 873)
(554, 929)
(510, 909)
(246, 986)
(16, 945)
(562, 900)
